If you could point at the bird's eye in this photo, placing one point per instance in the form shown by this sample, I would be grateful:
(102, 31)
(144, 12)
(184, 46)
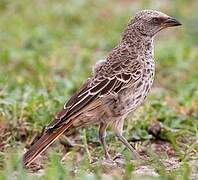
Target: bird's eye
(155, 20)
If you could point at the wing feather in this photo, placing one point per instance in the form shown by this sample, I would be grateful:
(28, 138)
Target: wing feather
(88, 94)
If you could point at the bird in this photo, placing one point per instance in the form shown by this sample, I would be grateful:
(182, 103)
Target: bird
(118, 85)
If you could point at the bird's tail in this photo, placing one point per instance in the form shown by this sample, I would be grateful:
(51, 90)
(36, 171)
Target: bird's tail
(46, 140)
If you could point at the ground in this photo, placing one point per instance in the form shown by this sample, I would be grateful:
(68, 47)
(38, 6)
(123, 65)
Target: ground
(47, 50)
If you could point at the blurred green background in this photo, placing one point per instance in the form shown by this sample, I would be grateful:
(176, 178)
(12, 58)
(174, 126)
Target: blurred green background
(48, 48)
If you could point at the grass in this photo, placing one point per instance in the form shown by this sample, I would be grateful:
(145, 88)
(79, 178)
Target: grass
(47, 49)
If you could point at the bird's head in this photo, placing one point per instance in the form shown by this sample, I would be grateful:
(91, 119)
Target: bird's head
(149, 22)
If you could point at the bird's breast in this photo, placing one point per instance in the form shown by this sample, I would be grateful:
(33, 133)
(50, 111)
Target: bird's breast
(133, 96)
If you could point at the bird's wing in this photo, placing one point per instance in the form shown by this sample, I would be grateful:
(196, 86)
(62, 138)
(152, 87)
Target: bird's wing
(111, 78)
(100, 85)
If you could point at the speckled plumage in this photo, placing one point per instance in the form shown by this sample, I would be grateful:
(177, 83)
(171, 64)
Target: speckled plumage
(119, 84)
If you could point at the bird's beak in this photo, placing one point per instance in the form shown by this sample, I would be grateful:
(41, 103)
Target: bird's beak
(170, 22)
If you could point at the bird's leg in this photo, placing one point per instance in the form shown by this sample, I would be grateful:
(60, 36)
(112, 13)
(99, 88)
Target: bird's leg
(129, 146)
(102, 135)
(117, 128)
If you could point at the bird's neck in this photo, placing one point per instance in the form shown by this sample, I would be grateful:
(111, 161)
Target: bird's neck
(138, 43)
(131, 35)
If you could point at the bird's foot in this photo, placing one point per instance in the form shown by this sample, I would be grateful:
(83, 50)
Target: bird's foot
(108, 159)
(140, 159)
(119, 160)
(110, 166)
(109, 163)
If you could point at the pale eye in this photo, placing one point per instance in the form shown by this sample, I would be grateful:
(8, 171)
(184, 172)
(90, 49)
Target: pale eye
(155, 20)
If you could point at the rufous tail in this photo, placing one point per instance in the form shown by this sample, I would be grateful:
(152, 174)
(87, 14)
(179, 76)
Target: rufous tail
(43, 143)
